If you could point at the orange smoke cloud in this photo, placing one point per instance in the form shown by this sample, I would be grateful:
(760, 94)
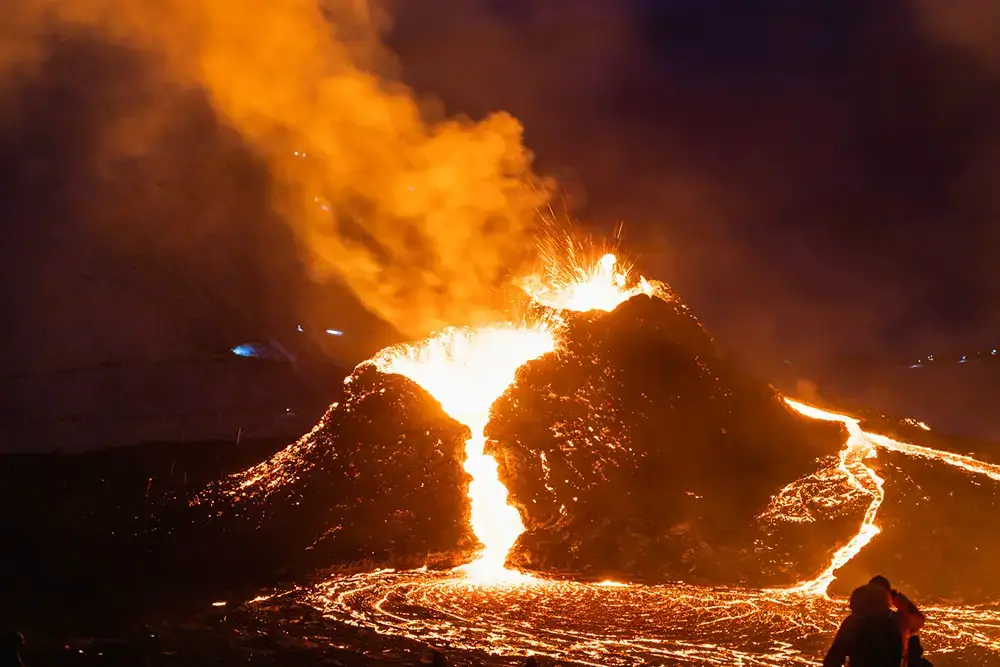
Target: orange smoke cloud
(972, 26)
(422, 218)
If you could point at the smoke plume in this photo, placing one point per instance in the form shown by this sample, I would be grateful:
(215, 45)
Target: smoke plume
(972, 26)
(422, 217)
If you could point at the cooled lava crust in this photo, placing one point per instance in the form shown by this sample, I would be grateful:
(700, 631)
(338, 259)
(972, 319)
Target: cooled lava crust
(379, 478)
(638, 450)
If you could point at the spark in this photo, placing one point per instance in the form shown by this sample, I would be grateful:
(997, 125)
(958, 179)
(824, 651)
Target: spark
(916, 422)
(572, 280)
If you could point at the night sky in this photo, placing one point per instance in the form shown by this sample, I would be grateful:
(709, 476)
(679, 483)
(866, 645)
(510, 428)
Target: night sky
(818, 179)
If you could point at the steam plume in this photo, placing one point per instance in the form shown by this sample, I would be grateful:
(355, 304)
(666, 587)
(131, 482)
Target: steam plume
(970, 25)
(422, 218)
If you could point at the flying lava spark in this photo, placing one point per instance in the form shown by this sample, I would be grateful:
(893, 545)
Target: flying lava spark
(485, 607)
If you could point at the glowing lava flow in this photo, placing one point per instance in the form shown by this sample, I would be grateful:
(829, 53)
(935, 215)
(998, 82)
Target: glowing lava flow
(612, 623)
(466, 370)
(852, 464)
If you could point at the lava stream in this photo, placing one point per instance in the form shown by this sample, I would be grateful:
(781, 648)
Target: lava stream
(852, 464)
(466, 370)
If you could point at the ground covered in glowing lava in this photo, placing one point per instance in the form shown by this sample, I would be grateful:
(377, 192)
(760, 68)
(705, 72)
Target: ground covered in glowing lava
(631, 450)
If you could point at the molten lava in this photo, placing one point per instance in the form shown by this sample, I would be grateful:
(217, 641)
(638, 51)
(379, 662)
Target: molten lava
(859, 476)
(568, 284)
(613, 623)
(466, 370)
(610, 622)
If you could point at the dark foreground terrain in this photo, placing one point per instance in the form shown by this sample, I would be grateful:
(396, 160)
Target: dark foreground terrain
(297, 636)
(76, 606)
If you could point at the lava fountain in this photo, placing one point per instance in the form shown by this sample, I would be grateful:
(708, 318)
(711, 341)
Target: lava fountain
(467, 369)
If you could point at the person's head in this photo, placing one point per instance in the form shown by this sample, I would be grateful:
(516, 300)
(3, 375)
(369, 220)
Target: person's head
(881, 582)
(869, 600)
(531, 661)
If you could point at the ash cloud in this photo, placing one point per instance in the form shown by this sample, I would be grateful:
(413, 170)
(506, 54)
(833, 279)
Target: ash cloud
(971, 26)
(421, 217)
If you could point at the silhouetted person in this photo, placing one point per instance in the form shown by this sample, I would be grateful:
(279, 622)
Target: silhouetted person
(10, 650)
(911, 619)
(915, 653)
(531, 661)
(870, 636)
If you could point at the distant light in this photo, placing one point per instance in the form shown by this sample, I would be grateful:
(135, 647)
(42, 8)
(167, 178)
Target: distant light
(994, 352)
(299, 328)
(334, 332)
(221, 603)
(916, 366)
(245, 350)
(962, 360)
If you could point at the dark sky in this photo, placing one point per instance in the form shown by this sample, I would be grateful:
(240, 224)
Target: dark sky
(817, 178)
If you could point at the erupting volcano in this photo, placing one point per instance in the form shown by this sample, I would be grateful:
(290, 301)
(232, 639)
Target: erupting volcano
(600, 435)
(466, 371)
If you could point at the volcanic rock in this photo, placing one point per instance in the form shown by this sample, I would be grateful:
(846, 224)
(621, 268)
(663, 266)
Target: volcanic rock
(381, 475)
(639, 449)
